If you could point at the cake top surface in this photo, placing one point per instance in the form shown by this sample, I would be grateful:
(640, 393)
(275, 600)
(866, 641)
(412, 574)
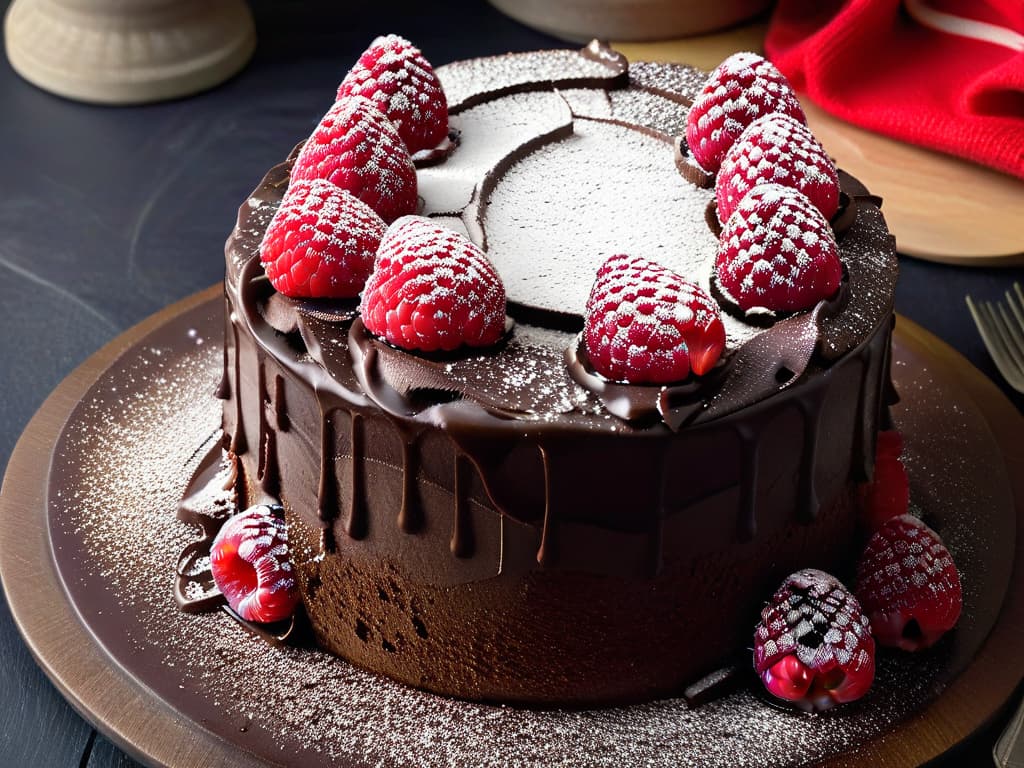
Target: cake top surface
(564, 158)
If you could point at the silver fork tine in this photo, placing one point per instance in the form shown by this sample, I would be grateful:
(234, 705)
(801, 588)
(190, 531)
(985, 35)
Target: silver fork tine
(996, 320)
(991, 333)
(1016, 344)
(1016, 302)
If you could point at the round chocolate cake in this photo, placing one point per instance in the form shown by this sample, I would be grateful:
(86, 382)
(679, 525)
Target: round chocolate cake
(503, 523)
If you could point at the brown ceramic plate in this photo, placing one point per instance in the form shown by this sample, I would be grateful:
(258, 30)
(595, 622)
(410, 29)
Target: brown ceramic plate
(93, 598)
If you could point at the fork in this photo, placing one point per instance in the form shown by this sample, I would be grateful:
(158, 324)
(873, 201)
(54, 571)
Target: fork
(1002, 330)
(1009, 750)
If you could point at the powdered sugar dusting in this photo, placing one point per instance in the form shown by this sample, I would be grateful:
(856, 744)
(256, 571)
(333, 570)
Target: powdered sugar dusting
(475, 80)
(321, 242)
(742, 88)
(777, 252)
(569, 232)
(489, 133)
(645, 324)
(394, 74)
(130, 452)
(357, 148)
(777, 148)
(432, 289)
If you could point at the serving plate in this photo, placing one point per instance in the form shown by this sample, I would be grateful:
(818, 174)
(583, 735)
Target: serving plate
(89, 538)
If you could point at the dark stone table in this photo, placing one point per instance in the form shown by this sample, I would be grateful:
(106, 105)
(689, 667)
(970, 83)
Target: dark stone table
(109, 214)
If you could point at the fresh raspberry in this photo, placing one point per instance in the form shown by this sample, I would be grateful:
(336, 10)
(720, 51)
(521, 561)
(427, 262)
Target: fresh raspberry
(393, 73)
(777, 148)
(251, 565)
(358, 149)
(741, 89)
(647, 325)
(777, 252)
(887, 495)
(813, 646)
(909, 585)
(432, 289)
(321, 242)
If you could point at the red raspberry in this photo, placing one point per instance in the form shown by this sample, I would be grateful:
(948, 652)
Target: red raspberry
(358, 149)
(887, 495)
(777, 148)
(909, 585)
(741, 89)
(432, 289)
(251, 565)
(393, 73)
(647, 325)
(321, 242)
(813, 646)
(777, 252)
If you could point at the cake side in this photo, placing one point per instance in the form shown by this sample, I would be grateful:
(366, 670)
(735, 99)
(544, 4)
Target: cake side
(456, 516)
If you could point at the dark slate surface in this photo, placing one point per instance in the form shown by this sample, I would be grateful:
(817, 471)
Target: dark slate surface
(109, 214)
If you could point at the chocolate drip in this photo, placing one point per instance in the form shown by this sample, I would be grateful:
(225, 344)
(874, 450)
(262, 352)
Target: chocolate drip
(327, 490)
(547, 555)
(223, 391)
(280, 404)
(358, 516)
(863, 454)
(238, 443)
(746, 524)
(463, 542)
(410, 517)
(808, 503)
(270, 475)
(263, 431)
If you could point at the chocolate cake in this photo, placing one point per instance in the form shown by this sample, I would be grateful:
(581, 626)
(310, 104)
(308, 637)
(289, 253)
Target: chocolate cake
(504, 524)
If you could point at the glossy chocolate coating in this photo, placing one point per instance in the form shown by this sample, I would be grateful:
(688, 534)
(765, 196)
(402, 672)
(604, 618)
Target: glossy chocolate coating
(486, 526)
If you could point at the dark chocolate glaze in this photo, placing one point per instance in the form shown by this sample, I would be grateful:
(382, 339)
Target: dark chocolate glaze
(553, 548)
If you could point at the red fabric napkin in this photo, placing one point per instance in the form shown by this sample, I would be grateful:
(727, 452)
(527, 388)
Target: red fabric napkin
(913, 70)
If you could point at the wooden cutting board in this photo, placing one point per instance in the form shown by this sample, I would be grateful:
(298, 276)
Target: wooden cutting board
(940, 208)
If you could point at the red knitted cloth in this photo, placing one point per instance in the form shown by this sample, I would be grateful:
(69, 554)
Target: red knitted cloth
(914, 70)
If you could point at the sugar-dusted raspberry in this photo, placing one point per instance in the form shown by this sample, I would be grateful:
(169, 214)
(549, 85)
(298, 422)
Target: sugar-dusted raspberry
(321, 242)
(813, 647)
(909, 585)
(741, 89)
(357, 148)
(394, 74)
(647, 325)
(432, 289)
(252, 567)
(777, 148)
(777, 252)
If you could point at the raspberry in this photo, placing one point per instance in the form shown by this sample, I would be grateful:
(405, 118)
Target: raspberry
(358, 149)
(321, 242)
(777, 148)
(887, 495)
(777, 252)
(909, 585)
(432, 289)
(646, 324)
(251, 565)
(813, 646)
(394, 75)
(741, 89)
